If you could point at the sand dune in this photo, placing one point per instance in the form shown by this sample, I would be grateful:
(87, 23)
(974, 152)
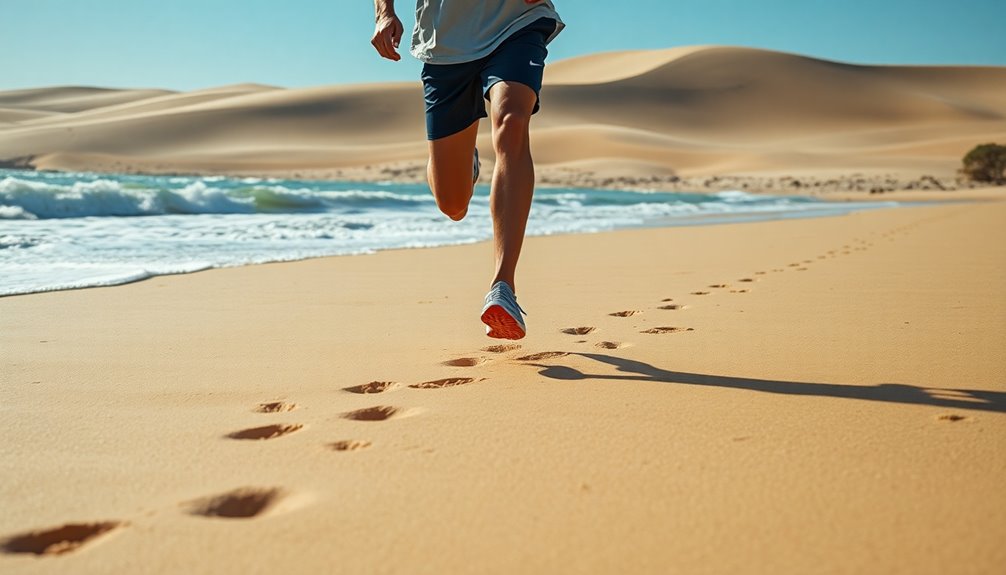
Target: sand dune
(11, 115)
(70, 99)
(689, 111)
(151, 105)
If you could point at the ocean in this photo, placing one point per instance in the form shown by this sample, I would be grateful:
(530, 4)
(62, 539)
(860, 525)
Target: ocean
(75, 230)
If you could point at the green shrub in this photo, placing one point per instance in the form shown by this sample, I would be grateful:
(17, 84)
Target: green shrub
(986, 163)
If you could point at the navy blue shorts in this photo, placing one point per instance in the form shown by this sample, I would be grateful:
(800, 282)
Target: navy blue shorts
(455, 94)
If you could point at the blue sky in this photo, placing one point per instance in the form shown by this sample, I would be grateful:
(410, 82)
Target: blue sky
(187, 44)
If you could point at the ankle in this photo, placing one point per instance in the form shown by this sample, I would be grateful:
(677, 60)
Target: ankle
(508, 281)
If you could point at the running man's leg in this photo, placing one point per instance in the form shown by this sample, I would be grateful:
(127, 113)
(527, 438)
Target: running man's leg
(449, 171)
(513, 178)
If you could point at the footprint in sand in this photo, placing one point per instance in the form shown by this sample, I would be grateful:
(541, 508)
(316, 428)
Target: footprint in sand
(700, 293)
(377, 413)
(951, 417)
(662, 330)
(59, 540)
(746, 280)
(796, 265)
(609, 345)
(760, 273)
(442, 383)
(672, 307)
(501, 348)
(801, 269)
(372, 387)
(719, 286)
(626, 313)
(266, 431)
(243, 503)
(348, 445)
(738, 291)
(464, 362)
(578, 330)
(275, 407)
(543, 355)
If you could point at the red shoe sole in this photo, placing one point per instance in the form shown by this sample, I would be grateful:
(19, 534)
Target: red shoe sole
(501, 324)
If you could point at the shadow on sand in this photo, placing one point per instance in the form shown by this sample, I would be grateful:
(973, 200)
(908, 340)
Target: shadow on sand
(991, 401)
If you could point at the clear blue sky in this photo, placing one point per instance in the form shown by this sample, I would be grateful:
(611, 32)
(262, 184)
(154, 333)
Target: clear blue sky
(187, 44)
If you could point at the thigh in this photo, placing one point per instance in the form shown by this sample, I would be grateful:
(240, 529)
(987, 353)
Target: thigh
(451, 162)
(453, 98)
(520, 59)
(512, 99)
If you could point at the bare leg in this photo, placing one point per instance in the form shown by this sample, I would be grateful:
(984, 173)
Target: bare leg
(513, 178)
(449, 171)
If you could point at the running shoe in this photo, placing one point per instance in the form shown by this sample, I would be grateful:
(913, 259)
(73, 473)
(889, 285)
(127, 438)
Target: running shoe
(501, 313)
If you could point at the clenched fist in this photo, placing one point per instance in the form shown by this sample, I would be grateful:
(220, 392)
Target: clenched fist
(387, 35)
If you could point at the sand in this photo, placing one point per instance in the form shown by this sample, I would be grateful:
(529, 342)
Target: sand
(664, 119)
(805, 396)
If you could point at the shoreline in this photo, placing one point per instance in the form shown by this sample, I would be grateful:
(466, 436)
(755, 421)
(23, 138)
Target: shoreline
(126, 271)
(843, 188)
(66, 274)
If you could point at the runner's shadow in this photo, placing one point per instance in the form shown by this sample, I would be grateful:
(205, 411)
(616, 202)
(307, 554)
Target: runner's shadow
(980, 400)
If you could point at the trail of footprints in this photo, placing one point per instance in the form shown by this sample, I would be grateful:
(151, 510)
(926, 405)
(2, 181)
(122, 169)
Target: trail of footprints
(668, 304)
(254, 502)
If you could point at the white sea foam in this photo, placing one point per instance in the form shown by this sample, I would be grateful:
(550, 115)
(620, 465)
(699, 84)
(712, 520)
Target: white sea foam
(32, 199)
(63, 231)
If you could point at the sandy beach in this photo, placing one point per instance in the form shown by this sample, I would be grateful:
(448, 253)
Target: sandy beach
(819, 395)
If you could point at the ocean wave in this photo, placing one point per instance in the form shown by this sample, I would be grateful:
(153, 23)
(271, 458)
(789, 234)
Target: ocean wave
(33, 199)
(60, 231)
(12, 241)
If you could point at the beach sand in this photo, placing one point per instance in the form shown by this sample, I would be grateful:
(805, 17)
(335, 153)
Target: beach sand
(803, 396)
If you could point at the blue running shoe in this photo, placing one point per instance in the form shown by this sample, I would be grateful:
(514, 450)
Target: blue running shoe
(501, 313)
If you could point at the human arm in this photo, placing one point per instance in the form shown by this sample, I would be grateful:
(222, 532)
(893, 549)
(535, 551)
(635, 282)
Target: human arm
(387, 30)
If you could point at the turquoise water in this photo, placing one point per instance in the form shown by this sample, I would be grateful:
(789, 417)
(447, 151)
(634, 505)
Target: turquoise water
(66, 230)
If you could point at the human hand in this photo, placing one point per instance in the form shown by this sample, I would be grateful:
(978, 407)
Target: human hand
(387, 35)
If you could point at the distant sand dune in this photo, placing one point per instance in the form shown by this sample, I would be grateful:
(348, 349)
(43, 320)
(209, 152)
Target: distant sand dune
(72, 99)
(690, 111)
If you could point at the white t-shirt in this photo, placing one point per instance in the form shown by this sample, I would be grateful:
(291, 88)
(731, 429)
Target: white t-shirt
(456, 31)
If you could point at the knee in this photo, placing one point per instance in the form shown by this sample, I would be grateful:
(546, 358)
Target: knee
(454, 206)
(511, 131)
(457, 213)
(451, 200)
